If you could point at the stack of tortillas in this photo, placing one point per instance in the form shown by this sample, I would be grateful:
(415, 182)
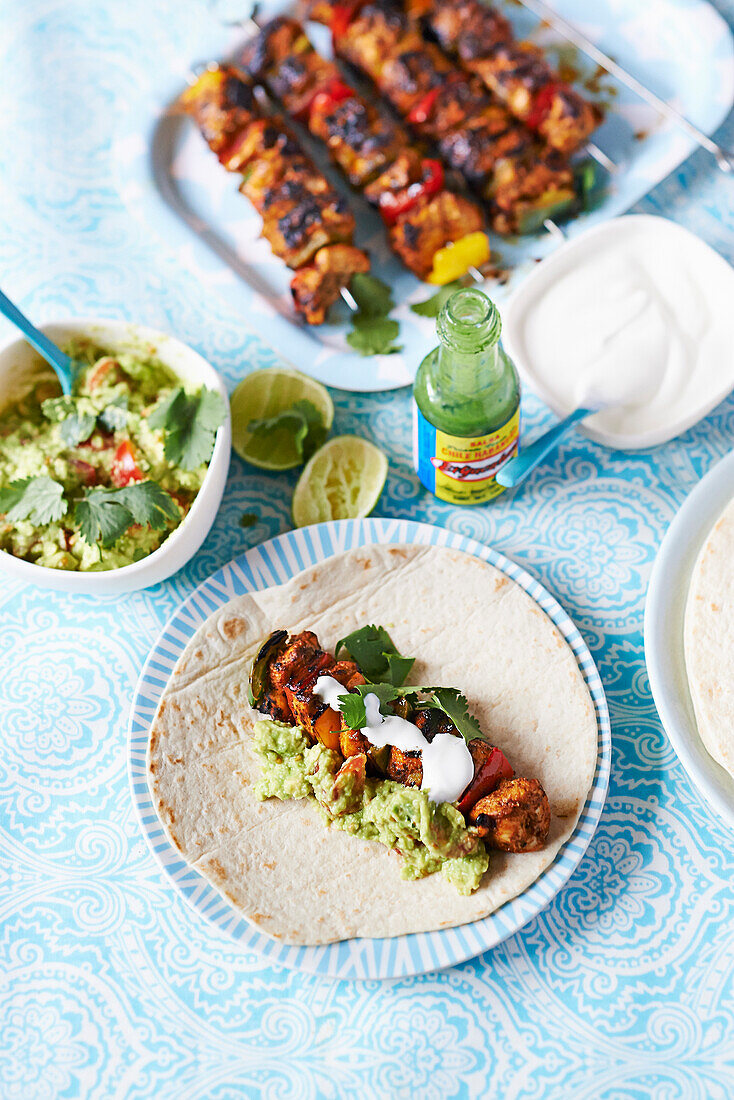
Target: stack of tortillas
(709, 640)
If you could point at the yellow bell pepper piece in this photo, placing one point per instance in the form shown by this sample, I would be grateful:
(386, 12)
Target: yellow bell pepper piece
(455, 259)
(207, 81)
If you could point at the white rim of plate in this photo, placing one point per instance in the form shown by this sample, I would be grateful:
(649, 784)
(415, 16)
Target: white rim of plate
(273, 563)
(667, 595)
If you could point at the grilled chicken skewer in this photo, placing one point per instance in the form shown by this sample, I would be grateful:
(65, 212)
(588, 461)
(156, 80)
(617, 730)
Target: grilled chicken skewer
(373, 151)
(307, 224)
(510, 813)
(516, 72)
(524, 182)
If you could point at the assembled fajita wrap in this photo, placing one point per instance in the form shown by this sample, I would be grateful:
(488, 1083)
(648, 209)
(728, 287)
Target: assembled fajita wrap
(277, 860)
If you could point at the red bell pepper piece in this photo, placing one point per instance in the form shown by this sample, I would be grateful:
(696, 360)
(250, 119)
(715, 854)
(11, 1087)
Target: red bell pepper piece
(542, 105)
(486, 779)
(334, 93)
(420, 114)
(124, 467)
(395, 203)
(329, 94)
(342, 16)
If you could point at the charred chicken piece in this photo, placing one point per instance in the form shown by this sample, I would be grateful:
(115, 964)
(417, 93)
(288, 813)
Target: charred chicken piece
(264, 140)
(412, 72)
(294, 670)
(301, 213)
(282, 57)
(223, 105)
(318, 285)
(404, 171)
(515, 817)
(361, 141)
(474, 26)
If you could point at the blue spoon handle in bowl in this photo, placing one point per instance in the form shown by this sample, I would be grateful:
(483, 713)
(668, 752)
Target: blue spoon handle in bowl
(518, 468)
(60, 362)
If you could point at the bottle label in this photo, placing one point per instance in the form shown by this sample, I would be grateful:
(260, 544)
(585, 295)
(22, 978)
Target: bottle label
(462, 469)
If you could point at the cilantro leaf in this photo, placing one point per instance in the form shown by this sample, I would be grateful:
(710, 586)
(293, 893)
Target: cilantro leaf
(249, 519)
(190, 422)
(448, 700)
(114, 417)
(373, 297)
(58, 408)
(456, 707)
(352, 705)
(375, 653)
(374, 335)
(77, 427)
(105, 514)
(39, 499)
(302, 419)
(431, 307)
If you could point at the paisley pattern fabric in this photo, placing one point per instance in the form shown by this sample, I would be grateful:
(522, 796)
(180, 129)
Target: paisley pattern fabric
(110, 985)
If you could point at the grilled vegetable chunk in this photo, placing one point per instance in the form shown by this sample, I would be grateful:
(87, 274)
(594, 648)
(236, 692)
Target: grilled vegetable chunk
(515, 817)
(263, 694)
(433, 223)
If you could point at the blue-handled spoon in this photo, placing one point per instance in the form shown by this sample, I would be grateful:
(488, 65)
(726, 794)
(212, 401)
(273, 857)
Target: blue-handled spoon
(63, 364)
(518, 468)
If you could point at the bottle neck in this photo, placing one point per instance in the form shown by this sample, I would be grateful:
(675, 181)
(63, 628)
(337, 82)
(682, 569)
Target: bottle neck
(468, 328)
(468, 373)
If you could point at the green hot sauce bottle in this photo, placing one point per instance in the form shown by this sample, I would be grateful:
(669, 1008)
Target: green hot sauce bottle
(467, 403)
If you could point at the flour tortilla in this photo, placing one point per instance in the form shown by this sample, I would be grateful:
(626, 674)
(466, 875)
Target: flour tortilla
(470, 627)
(709, 640)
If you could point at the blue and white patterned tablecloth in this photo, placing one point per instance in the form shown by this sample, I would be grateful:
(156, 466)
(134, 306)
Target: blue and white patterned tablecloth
(109, 985)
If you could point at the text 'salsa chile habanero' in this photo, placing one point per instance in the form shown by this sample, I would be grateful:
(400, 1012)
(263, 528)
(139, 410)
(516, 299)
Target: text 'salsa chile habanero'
(467, 404)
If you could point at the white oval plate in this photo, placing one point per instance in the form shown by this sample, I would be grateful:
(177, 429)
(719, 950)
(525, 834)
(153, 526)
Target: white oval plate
(664, 650)
(273, 563)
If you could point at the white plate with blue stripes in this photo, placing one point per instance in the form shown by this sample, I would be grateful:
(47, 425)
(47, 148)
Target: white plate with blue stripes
(273, 563)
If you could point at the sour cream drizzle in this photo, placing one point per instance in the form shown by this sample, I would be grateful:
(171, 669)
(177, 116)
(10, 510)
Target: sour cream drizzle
(447, 763)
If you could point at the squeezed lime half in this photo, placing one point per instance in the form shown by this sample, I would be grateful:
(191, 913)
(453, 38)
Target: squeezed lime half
(264, 394)
(343, 480)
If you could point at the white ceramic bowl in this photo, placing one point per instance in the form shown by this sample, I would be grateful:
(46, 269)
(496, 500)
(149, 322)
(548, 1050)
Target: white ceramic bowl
(18, 361)
(665, 607)
(555, 265)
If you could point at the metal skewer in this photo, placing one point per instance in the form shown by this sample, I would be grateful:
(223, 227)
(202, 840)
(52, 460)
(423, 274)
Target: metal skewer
(723, 157)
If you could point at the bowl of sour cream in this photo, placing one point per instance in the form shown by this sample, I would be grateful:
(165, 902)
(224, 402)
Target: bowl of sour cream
(639, 312)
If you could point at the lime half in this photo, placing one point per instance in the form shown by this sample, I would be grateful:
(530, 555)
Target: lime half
(343, 480)
(262, 395)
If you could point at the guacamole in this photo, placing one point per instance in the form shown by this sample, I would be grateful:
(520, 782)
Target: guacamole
(428, 837)
(99, 438)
